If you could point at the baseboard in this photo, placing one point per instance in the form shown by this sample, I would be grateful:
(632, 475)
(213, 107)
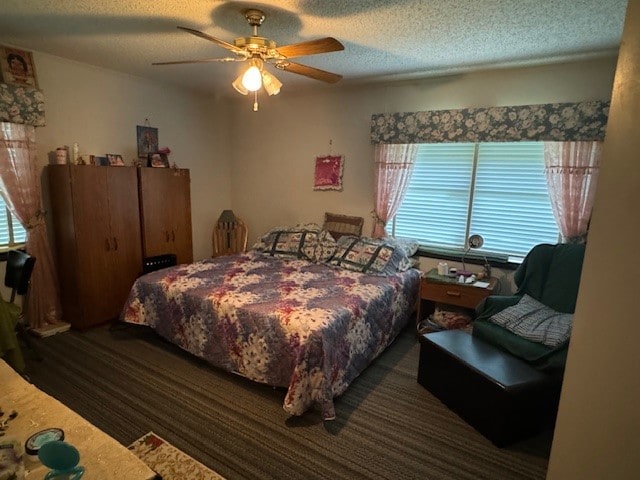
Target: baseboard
(50, 329)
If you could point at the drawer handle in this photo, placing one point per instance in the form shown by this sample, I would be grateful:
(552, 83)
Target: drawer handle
(453, 294)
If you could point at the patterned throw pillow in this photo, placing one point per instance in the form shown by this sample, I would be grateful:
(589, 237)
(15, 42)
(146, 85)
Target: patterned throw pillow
(408, 247)
(305, 241)
(366, 255)
(535, 321)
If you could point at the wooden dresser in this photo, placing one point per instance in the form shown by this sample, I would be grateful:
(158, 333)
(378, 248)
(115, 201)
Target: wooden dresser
(105, 221)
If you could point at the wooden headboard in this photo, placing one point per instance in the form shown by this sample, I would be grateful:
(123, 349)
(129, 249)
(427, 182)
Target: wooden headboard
(340, 225)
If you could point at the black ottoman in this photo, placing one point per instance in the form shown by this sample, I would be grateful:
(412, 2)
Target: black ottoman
(498, 394)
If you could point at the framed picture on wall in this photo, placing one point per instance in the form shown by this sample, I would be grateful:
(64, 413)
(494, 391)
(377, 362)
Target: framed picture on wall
(147, 140)
(328, 173)
(17, 67)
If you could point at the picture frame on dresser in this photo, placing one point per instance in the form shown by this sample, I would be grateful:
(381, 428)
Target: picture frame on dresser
(158, 160)
(115, 160)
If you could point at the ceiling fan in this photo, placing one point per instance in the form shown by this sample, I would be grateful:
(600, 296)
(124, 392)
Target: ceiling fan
(259, 51)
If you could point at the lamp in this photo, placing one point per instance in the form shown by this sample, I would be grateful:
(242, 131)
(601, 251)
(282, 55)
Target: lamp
(255, 77)
(252, 78)
(474, 241)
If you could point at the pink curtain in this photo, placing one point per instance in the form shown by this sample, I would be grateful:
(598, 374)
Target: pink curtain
(572, 175)
(20, 186)
(394, 164)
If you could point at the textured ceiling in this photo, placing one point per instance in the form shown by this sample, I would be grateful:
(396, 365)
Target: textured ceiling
(384, 40)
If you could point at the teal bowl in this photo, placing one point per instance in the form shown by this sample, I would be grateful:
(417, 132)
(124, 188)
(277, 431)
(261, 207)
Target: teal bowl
(62, 458)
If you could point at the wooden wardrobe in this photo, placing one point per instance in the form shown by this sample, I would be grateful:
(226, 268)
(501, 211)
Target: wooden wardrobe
(98, 216)
(165, 210)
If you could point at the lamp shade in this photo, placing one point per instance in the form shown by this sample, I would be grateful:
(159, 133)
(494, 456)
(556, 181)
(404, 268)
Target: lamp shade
(237, 84)
(474, 241)
(270, 83)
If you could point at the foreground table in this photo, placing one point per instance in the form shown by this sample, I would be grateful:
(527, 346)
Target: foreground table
(102, 456)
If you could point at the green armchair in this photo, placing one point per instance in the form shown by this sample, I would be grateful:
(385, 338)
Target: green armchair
(549, 274)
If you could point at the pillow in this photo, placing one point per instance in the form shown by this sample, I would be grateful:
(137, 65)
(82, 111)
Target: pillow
(305, 241)
(341, 225)
(408, 247)
(535, 321)
(367, 255)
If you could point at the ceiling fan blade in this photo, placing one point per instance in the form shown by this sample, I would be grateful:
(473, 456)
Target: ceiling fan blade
(310, 72)
(312, 47)
(222, 43)
(206, 60)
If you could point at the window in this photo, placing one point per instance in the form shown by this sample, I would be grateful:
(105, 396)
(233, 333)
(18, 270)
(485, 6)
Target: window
(497, 190)
(12, 234)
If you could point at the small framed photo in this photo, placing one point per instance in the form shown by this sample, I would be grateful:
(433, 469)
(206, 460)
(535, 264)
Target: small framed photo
(115, 160)
(147, 140)
(86, 160)
(101, 161)
(158, 160)
(17, 67)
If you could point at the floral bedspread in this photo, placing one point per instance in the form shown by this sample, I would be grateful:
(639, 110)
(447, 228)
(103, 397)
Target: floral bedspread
(290, 323)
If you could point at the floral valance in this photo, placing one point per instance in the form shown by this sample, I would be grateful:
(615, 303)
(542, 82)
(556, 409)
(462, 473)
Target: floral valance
(546, 122)
(24, 105)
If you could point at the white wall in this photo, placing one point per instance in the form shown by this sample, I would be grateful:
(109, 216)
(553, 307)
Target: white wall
(598, 429)
(99, 109)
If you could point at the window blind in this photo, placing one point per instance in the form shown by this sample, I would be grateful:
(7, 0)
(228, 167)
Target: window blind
(12, 233)
(497, 190)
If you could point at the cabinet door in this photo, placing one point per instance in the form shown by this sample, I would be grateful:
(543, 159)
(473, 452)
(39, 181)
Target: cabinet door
(89, 191)
(166, 213)
(181, 217)
(124, 223)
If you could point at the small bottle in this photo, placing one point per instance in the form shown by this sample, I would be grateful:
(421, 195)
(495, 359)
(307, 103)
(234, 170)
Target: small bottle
(443, 268)
(75, 150)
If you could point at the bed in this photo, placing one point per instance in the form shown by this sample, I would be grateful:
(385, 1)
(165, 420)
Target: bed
(310, 323)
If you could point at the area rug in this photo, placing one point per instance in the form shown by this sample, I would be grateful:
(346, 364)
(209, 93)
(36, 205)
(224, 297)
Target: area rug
(169, 462)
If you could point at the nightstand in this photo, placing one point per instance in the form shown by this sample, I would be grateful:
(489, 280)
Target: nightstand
(437, 289)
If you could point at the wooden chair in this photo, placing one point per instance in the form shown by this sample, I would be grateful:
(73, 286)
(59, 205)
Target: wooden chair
(229, 235)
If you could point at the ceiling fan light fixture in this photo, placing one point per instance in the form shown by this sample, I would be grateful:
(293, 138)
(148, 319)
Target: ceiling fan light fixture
(252, 77)
(257, 50)
(270, 83)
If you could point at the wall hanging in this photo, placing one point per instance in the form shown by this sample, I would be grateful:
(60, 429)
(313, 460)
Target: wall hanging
(328, 174)
(17, 67)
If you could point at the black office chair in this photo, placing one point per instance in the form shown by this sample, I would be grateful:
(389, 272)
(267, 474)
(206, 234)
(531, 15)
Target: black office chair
(18, 278)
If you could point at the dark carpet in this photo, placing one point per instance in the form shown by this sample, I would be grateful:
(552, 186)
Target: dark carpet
(127, 381)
